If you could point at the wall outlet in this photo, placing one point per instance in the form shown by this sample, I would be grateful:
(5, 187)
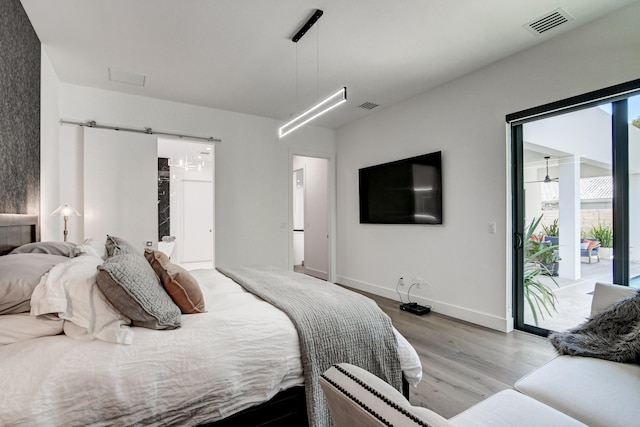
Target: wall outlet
(401, 281)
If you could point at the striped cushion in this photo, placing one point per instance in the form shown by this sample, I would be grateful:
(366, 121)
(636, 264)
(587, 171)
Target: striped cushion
(357, 397)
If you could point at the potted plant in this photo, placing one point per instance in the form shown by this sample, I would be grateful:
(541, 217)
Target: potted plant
(550, 259)
(604, 234)
(539, 296)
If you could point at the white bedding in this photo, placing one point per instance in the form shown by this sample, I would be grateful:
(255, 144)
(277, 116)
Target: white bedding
(240, 353)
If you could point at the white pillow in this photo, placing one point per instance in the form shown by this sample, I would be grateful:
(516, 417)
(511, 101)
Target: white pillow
(91, 247)
(20, 327)
(584, 245)
(69, 290)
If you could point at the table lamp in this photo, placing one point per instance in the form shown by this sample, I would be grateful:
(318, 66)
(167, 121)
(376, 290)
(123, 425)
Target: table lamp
(65, 211)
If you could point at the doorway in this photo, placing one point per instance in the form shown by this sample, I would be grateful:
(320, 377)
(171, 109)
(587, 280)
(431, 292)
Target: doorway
(188, 209)
(574, 189)
(311, 224)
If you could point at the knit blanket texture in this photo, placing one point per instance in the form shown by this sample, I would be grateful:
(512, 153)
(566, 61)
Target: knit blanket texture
(334, 325)
(613, 334)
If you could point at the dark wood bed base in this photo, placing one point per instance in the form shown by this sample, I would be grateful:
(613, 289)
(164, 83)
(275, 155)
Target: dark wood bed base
(287, 408)
(16, 230)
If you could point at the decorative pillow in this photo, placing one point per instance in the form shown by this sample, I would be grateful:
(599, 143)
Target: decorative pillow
(129, 283)
(584, 246)
(19, 275)
(119, 246)
(51, 248)
(20, 327)
(91, 247)
(181, 286)
(593, 244)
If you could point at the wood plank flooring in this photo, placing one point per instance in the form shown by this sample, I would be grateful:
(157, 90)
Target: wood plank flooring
(463, 363)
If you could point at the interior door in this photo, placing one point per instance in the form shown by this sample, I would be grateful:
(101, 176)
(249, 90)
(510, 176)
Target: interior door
(315, 214)
(197, 221)
(120, 186)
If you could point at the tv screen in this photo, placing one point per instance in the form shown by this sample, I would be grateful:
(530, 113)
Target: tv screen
(407, 191)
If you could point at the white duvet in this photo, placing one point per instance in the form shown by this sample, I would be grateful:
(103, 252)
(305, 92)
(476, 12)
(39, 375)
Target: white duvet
(240, 353)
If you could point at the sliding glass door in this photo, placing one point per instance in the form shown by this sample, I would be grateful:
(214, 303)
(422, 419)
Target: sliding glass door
(575, 177)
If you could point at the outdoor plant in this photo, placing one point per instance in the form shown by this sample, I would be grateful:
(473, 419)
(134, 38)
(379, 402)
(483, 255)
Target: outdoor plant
(538, 294)
(604, 234)
(552, 230)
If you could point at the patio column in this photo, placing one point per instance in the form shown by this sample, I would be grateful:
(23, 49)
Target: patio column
(569, 220)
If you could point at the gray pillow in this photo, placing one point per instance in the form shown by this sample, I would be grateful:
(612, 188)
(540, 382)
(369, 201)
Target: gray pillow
(19, 275)
(52, 248)
(119, 246)
(131, 285)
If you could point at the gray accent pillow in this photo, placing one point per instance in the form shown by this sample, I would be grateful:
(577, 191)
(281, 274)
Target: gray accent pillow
(131, 285)
(118, 246)
(19, 275)
(51, 248)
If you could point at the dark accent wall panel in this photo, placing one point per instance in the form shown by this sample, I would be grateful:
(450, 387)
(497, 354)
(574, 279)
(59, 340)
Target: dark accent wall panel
(19, 111)
(164, 200)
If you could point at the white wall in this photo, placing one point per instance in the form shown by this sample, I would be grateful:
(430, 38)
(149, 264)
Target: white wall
(468, 268)
(51, 227)
(252, 173)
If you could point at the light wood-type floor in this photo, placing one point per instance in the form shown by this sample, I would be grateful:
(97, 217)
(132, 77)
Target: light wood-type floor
(463, 363)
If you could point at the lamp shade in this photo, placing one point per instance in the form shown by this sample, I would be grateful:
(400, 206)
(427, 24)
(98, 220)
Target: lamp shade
(65, 210)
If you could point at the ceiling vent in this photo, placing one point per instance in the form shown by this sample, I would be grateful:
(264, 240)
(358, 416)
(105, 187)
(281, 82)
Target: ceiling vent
(127, 77)
(548, 22)
(368, 105)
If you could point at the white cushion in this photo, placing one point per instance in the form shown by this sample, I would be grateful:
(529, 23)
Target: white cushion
(594, 391)
(605, 295)
(358, 398)
(509, 408)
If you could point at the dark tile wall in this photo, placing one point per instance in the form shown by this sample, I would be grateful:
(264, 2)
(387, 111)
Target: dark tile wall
(19, 111)
(164, 201)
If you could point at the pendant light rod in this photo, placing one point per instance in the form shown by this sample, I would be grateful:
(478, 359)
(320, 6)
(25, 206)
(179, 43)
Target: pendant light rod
(307, 26)
(547, 179)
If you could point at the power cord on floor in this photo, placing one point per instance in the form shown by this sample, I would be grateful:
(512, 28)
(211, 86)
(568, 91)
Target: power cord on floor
(398, 290)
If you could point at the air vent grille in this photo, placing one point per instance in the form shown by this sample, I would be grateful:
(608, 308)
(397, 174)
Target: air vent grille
(368, 105)
(549, 21)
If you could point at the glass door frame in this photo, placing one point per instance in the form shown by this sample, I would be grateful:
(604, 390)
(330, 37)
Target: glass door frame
(616, 95)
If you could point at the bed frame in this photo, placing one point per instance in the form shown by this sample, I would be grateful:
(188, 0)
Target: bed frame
(286, 408)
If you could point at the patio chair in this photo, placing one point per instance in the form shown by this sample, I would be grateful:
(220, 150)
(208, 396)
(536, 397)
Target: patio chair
(589, 248)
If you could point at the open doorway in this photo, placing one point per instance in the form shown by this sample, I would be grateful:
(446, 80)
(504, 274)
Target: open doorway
(186, 202)
(575, 187)
(310, 231)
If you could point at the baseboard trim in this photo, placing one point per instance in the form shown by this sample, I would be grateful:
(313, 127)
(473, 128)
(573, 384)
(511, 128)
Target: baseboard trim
(316, 273)
(457, 312)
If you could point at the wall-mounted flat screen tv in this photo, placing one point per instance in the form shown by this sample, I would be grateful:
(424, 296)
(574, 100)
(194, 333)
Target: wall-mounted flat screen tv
(407, 191)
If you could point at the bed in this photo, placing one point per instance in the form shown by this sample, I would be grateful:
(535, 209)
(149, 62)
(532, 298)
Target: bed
(238, 362)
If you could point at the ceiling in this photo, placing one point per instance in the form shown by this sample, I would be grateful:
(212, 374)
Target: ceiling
(237, 55)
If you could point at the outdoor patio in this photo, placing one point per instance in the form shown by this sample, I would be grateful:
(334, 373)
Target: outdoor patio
(574, 296)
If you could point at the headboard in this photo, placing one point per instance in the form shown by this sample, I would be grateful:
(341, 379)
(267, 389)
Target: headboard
(16, 230)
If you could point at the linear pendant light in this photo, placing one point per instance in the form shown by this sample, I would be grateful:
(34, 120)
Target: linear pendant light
(317, 110)
(321, 107)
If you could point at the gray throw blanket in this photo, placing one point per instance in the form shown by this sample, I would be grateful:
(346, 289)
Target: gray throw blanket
(613, 334)
(334, 325)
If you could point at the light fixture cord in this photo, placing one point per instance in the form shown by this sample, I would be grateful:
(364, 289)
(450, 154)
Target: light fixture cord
(318, 60)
